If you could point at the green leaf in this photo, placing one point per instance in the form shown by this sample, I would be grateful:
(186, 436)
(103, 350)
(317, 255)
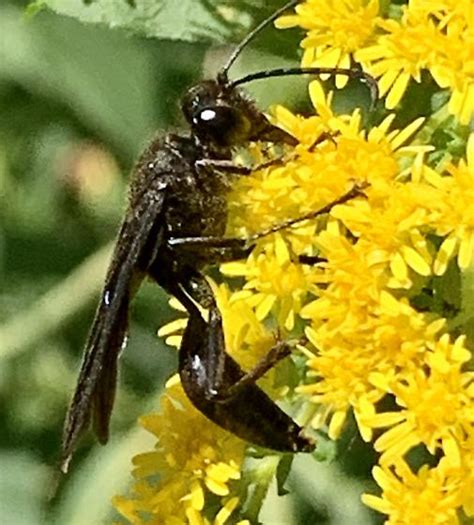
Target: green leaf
(107, 80)
(188, 20)
(256, 479)
(216, 21)
(465, 320)
(326, 449)
(34, 8)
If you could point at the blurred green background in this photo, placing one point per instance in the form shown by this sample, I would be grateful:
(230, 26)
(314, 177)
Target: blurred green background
(77, 104)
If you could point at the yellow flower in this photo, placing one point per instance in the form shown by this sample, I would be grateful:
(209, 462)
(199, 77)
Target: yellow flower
(444, 11)
(436, 403)
(434, 36)
(196, 461)
(349, 285)
(407, 498)
(465, 475)
(357, 329)
(457, 75)
(336, 29)
(453, 64)
(437, 38)
(402, 53)
(273, 282)
(394, 226)
(455, 222)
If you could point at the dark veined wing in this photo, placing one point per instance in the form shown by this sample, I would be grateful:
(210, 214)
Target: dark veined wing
(139, 239)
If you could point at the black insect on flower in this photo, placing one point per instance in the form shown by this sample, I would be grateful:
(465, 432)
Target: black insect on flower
(172, 229)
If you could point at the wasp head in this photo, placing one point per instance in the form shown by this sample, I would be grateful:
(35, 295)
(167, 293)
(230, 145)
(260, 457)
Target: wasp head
(220, 115)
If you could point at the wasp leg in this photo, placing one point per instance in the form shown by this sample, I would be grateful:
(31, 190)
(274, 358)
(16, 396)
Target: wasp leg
(244, 246)
(208, 373)
(191, 288)
(218, 249)
(325, 135)
(228, 166)
(219, 387)
(249, 413)
(276, 354)
(355, 191)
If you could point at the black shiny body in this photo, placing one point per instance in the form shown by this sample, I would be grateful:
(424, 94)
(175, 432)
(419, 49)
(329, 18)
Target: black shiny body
(173, 227)
(173, 196)
(249, 413)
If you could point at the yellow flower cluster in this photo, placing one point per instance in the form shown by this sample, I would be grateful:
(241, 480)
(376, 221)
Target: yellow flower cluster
(194, 460)
(191, 471)
(366, 339)
(386, 310)
(434, 36)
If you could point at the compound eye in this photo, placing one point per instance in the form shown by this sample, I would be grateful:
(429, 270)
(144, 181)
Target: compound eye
(207, 115)
(216, 118)
(221, 124)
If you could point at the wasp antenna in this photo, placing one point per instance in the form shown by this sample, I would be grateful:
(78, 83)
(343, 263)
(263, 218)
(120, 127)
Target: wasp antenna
(289, 71)
(222, 76)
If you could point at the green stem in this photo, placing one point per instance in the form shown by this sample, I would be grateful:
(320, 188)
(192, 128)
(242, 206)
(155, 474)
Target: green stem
(260, 477)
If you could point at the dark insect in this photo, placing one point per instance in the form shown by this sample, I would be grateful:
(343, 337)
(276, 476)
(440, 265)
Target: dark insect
(173, 227)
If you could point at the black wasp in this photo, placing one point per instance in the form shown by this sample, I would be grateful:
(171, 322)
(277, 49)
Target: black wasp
(173, 227)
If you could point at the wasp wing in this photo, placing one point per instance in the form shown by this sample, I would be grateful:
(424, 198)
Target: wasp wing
(139, 239)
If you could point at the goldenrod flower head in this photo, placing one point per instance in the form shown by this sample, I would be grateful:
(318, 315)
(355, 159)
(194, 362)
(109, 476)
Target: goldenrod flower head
(195, 460)
(464, 473)
(452, 64)
(429, 496)
(274, 281)
(436, 401)
(406, 48)
(429, 36)
(455, 218)
(335, 30)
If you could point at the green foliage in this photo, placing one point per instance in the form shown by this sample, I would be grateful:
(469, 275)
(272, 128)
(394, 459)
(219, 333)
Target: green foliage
(23, 481)
(199, 20)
